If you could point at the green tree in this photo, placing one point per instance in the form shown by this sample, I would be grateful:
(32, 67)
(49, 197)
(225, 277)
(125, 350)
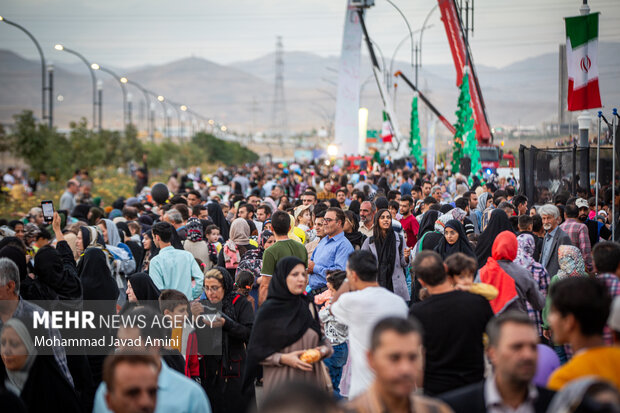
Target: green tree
(42, 148)
(465, 137)
(415, 141)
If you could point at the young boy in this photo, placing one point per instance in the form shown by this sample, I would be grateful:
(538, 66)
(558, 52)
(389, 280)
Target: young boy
(213, 237)
(174, 305)
(335, 332)
(134, 229)
(462, 271)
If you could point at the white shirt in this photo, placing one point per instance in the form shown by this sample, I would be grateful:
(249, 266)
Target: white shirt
(495, 404)
(360, 311)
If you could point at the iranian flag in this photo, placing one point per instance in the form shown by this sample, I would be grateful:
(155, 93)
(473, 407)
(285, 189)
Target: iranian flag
(582, 62)
(386, 130)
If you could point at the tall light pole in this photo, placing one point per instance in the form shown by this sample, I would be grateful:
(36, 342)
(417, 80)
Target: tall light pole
(177, 109)
(147, 106)
(408, 27)
(43, 65)
(398, 47)
(422, 33)
(118, 78)
(161, 100)
(100, 103)
(50, 98)
(184, 109)
(61, 48)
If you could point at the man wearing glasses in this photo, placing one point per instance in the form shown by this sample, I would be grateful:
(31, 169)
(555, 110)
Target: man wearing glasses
(332, 252)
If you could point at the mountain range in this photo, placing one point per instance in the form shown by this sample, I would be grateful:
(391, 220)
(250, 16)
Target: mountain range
(240, 95)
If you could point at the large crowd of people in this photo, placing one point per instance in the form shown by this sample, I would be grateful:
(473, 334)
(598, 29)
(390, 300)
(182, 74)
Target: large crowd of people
(379, 289)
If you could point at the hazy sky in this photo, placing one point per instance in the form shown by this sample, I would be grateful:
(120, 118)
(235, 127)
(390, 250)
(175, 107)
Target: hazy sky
(125, 33)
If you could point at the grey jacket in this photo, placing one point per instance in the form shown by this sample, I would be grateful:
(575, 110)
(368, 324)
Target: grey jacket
(527, 288)
(399, 281)
(559, 238)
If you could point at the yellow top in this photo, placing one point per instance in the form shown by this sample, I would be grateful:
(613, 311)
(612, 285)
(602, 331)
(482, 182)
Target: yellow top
(177, 338)
(488, 291)
(603, 362)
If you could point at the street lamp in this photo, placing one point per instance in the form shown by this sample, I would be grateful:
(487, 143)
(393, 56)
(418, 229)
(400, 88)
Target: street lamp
(147, 102)
(176, 108)
(401, 43)
(184, 109)
(408, 27)
(43, 65)
(161, 100)
(61, 48)
(122, 83)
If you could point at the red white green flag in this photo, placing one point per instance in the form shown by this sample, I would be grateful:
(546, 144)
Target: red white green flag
(582, 62)
(386, 130)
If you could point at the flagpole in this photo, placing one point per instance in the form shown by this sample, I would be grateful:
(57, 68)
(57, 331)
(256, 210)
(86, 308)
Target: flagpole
(598, 158)
(614, 123)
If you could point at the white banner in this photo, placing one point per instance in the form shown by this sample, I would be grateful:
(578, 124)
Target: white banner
(348, 98)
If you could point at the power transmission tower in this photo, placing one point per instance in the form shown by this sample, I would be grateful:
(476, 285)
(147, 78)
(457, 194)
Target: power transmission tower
(279, 121)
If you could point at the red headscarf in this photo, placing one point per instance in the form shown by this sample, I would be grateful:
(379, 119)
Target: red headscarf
(505, 247)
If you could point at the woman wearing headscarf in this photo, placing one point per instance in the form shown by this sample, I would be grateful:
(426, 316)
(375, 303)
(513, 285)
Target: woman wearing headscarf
(571, 264)
(36, 379)
(391, 253)
(514, 283)
(483, 198)
(195, 242)
(383, 186)
(428, 236)
(292, 321)
(142, 290)
(146, 222)
(252, 260)
(236, 246)
(122, 254)
(221, 374)
(216, 214)
(525, 258)
(428, 239)
(454, 240)
(123, 263)
(134, 244)
(498, 223)
(351, 230)
(98, 284)
(150, 249)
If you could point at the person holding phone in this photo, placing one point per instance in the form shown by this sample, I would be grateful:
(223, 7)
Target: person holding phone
(221, 374)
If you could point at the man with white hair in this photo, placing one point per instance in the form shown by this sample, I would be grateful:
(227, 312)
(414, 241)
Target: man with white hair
(174, 217)
(12, 305)
(554, 237)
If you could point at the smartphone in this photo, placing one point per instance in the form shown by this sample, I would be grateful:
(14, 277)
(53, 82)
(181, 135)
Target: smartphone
(48, 211)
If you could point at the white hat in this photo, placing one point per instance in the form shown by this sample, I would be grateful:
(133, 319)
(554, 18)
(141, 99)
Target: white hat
(581, 203)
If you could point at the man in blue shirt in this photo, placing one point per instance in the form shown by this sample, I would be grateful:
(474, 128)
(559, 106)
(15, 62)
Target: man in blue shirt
(172, 268)
(175, 392)
(332, 252)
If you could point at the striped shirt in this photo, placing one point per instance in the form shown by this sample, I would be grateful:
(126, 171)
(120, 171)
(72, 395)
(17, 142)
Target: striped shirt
(580, 238)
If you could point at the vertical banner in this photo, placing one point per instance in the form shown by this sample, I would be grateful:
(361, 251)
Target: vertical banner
(430, 144)
(582, 62)
(348, 97)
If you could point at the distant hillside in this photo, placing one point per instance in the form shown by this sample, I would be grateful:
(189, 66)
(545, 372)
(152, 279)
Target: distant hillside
(522, 93)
